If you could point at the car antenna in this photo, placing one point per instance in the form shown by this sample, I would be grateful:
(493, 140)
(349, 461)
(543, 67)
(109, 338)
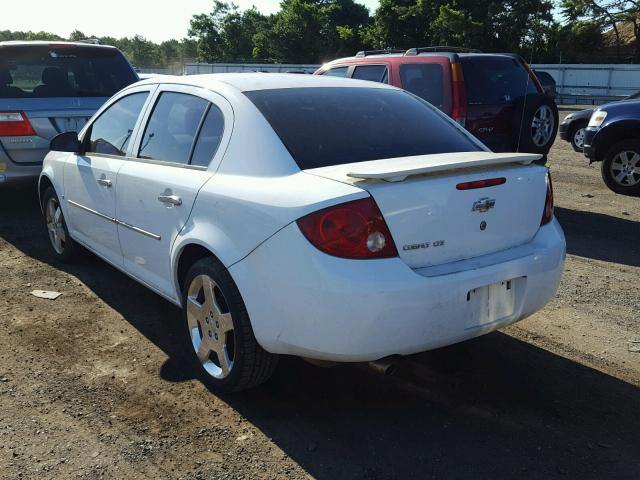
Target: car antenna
(524, 104)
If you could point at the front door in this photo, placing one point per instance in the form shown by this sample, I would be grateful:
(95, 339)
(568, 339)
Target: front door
(90, 179)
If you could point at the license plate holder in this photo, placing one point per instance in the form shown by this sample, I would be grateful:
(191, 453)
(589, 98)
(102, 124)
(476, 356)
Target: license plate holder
(490, 303)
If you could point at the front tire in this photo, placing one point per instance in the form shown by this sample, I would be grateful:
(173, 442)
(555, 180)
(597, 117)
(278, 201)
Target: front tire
(577, 136)
(219, 331)
(62, 245)
(621, 168)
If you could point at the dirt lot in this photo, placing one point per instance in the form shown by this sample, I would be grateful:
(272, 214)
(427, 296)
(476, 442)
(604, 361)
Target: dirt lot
(93, 384)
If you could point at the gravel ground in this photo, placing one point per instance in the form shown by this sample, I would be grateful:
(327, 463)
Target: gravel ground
(94, 384)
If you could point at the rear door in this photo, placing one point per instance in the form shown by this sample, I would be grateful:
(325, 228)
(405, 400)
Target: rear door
(176, 152)
(90, 179)
(493, 86)
(57, 88)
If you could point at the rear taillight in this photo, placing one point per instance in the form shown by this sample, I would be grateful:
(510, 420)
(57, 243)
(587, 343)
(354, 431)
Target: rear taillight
(547, 214)
(350, 230)
(459, 110)
(15, 124)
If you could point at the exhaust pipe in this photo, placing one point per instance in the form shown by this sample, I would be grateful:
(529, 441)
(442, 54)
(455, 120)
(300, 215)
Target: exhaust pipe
(385, 366)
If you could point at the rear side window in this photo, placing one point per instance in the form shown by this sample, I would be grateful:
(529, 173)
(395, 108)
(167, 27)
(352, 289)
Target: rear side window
(373, 73)
(424, 80)
(336, 72)
(495, 80)
(172, 127)
(331, 126)
(208, 138)
(62, 71)
(111, 132)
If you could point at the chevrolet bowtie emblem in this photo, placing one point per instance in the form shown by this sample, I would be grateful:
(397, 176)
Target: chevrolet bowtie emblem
(483, 205)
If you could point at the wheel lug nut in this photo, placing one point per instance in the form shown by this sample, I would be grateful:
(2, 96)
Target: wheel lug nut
(216, 335)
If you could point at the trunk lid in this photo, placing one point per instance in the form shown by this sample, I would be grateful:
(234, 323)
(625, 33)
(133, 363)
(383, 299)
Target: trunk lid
(433, 222)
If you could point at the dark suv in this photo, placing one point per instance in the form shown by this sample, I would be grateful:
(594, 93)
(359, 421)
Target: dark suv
(494, 96)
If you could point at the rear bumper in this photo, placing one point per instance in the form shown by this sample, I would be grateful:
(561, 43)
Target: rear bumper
(303, 302)
(563, 131)
(16, 174)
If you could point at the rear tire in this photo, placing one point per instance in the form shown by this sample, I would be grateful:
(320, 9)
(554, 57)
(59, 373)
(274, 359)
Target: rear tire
(620, 168)
(218, 330)
(537, 118)
(62, 245)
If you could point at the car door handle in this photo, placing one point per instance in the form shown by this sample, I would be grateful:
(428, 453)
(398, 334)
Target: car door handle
(170, 200)
(104, 182)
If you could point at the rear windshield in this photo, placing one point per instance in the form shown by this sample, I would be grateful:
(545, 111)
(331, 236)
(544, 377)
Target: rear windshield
(495, 80)
(66, 71)
(330, 126)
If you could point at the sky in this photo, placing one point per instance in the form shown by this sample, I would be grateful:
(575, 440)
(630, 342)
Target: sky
(155, 20)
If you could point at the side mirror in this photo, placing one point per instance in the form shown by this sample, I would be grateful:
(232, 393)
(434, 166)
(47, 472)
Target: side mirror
(66, 142)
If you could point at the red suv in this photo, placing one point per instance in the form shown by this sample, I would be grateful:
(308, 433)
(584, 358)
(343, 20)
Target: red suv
(493, 95)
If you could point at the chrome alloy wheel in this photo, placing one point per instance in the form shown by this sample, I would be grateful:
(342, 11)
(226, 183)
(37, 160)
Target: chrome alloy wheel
(625, 168)
(210, 326)
(542, 126)
(578, 137)
(55, 225)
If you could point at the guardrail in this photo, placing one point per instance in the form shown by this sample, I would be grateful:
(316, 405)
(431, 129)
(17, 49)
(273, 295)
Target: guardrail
(592, 84)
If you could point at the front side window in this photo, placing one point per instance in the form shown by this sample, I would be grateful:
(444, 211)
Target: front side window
(111, 132)
(373, 73)
(336, 72)
(172, 127)
(324, 126)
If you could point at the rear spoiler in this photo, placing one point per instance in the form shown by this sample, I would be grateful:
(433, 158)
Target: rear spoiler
(398, 169)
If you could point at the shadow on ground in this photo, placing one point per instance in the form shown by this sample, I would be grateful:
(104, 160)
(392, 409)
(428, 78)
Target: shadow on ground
(492, 408)
(600, 236)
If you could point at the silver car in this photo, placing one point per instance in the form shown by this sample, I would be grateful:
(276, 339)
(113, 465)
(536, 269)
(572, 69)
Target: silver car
(47, 88)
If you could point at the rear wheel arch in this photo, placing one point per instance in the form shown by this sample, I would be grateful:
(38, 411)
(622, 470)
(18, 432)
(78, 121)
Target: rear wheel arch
(187, 256)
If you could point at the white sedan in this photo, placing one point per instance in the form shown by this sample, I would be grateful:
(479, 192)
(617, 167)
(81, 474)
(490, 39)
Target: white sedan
(332, 219)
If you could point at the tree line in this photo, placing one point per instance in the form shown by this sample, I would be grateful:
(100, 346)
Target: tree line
(314, 31)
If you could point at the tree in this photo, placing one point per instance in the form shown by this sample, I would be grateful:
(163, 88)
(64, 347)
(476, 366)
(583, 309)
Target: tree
(401, 24)
(608, 13)
(77, 35)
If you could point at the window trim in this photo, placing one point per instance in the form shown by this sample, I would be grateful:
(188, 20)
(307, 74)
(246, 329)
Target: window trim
(206, 94)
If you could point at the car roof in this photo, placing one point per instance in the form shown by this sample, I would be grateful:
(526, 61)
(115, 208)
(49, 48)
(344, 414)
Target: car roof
(50, 43)
(249, 81)
(422, 56)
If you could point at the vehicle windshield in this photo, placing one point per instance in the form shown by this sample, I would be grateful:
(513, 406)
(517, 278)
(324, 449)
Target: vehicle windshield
(62, 71)
(327, 126)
